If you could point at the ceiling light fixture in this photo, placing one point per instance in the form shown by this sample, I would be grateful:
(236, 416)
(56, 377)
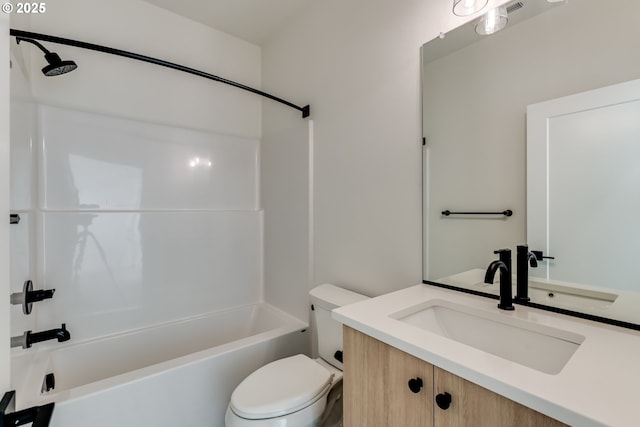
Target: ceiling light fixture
(468, 7)
(492, 21)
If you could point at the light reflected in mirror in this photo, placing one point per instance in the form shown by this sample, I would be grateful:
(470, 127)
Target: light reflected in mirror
(476, 91)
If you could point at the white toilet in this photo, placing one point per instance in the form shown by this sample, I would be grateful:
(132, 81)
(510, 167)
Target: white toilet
(292, 392)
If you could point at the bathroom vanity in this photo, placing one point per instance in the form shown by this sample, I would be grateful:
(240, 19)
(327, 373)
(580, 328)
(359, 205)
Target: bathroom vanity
(425, 356)
(402, 390)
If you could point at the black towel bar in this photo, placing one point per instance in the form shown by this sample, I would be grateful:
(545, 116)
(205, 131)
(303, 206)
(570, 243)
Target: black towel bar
(507, 212)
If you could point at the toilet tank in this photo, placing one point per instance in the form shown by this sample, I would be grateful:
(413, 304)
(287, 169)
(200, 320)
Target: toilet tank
(325, 298)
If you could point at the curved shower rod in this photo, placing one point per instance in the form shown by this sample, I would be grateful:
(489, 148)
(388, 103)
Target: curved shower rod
(306, 110)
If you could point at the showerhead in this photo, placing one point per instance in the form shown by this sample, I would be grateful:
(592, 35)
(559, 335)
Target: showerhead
(56, 65)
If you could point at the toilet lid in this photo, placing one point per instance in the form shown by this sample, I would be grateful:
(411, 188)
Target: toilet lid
(280, 388)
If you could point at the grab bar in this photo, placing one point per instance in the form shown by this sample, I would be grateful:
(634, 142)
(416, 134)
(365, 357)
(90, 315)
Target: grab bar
(507, 212)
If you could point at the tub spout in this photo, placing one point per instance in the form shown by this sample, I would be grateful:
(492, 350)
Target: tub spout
(29, 338)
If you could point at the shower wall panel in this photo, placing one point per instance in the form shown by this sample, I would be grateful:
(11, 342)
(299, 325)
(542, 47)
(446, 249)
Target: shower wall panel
(140, 223)
(93, 162)
(116, 271)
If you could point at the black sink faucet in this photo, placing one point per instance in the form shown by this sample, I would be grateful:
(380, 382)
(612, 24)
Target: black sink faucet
(504, 264)
(524, 259)
(29, 338)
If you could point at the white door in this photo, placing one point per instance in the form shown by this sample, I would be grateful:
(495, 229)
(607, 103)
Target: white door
(583, 186)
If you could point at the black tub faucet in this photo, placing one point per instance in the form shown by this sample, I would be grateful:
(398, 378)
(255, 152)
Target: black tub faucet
(504, 264)
(524, 259)
(29, 338)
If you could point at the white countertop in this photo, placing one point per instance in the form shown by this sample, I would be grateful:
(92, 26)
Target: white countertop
(599, 385)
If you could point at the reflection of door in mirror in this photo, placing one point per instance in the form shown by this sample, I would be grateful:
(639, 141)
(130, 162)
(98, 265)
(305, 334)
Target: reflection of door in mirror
(583, 186)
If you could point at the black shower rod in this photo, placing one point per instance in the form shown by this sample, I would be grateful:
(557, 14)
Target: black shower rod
(84, 45)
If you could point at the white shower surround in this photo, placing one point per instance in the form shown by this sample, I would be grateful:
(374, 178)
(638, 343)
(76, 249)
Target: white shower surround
(135, 224)
(152, 237)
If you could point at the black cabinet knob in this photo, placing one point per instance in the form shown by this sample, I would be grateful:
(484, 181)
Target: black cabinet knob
(443, 400)
(338, 356)
(415, 384)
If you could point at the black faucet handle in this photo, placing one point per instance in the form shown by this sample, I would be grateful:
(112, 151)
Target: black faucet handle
(540, 256)
(39, 295)
(505, 256)
(28, 296)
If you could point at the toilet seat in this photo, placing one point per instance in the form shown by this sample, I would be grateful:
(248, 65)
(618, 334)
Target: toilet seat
(280, 388)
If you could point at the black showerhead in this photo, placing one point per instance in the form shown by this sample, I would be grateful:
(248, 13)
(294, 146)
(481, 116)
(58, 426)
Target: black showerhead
(56, 65)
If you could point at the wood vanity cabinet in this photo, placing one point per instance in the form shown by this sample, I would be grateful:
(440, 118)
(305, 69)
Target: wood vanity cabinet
(377, 392)
(375, 385)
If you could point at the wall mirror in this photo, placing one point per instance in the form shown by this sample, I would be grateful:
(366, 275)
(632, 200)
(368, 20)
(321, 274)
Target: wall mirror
(485, 98)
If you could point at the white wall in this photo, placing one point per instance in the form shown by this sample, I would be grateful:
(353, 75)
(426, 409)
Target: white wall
(4, 204)
(286, 198)
(357, 64)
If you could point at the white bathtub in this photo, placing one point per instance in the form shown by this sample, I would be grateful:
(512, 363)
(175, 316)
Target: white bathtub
(176, 374)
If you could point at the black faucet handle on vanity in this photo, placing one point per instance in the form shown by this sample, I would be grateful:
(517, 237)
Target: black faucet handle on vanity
(505, 254)
(504, 265)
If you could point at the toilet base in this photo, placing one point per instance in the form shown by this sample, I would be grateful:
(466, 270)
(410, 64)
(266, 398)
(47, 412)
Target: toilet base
(306, 417)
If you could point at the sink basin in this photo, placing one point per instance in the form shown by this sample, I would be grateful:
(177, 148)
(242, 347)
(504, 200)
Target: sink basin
(539, 347)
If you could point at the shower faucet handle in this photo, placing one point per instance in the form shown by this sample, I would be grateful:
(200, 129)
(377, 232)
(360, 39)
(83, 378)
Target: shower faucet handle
(28, 296)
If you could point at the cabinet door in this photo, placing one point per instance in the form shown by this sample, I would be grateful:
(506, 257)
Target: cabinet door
(376, 390)
(472, 405)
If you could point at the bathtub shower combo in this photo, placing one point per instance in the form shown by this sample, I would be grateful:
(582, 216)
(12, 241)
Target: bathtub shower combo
(136, 264)
(179, 373)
